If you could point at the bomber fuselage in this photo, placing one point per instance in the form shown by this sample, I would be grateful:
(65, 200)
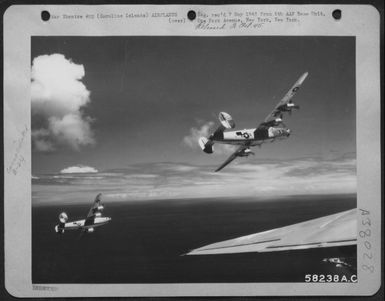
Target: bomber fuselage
(253, 136)
(98, 221)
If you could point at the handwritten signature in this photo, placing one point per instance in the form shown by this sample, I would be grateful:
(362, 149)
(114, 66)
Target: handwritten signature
(18, 159)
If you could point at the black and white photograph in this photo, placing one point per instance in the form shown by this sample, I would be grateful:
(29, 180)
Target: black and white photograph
(191, 151)
(220, 159)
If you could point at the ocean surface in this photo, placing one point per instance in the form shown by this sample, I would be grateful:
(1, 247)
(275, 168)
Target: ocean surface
(145, 240)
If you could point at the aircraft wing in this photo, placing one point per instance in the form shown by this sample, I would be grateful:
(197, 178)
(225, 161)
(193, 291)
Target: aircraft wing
(232, 157)
(94, 209)
(287, 98)
(334, 230)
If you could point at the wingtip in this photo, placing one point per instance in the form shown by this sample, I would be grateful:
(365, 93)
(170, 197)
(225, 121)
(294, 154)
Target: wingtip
(187, 253)
(302, 78)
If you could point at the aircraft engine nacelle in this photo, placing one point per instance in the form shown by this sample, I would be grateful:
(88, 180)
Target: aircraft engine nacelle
(63, 217)
(274, 122)
(277, 121)
(100, 207)
(90, 230)
(226, 120)
(247, 152)
(291, 106)
(288, 107)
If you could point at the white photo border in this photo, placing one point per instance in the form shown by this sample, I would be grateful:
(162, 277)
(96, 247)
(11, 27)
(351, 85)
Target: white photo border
(21, 22)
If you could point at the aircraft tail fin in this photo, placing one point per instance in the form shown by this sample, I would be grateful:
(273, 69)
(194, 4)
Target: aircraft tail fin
(206, 145)
(63, 218)
(59, 228)
(226, 120)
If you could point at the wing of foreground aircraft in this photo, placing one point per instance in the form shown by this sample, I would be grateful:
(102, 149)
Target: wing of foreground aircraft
(334, 230)
(237, 153)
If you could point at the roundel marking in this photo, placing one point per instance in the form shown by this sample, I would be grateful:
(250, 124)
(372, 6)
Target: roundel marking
(246, 135)
(295, 89)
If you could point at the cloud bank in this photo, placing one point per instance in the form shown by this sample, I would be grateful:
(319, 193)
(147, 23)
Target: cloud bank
(58, 97)
(247, 178)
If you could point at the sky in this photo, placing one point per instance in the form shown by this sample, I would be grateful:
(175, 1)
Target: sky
(127, 112)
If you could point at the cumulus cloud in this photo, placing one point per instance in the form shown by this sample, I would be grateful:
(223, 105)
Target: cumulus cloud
(58, 97)
(191, 140)
(40, 138)
(205, 130)
(79, 169)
